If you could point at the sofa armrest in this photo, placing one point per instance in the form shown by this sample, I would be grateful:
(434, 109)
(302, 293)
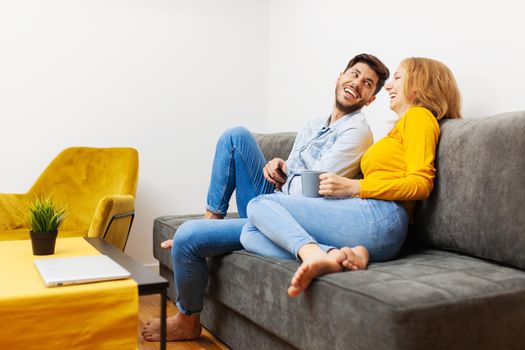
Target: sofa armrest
(112, 219)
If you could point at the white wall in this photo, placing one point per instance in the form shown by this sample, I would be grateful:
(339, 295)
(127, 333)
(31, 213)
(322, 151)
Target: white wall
(167, 76)
(164, 76)
(311, 42)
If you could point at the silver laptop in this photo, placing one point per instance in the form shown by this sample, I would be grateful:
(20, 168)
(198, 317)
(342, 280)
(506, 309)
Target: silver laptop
(79, 269)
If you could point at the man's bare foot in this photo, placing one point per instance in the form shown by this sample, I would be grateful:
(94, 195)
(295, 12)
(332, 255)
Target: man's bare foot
(355, 258)
(208, 215)
(167, 244)
(178, 327)
(321, 263)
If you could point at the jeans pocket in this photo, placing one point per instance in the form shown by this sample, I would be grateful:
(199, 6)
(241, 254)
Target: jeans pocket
(388, 233)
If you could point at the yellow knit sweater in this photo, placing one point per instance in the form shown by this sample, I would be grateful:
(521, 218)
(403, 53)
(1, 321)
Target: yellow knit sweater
(400, 166)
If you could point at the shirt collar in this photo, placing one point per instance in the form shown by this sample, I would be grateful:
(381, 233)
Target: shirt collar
(340, 120)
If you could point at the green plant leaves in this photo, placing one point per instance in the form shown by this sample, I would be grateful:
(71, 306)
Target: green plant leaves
(44, 215)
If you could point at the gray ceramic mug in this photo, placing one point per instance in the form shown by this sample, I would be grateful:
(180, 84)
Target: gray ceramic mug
(310, 182)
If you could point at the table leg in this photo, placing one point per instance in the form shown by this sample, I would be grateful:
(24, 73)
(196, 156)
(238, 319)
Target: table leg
(163, 316)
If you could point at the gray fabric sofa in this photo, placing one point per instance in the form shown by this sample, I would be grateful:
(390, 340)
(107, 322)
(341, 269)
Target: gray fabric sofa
(458, 284)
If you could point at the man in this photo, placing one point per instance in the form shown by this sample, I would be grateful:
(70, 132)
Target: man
(333, 144)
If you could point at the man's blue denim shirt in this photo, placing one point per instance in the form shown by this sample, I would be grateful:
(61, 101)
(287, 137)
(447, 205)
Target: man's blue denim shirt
(335, 148)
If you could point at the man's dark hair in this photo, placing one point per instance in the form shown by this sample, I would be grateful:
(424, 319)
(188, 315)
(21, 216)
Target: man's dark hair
(375, 64)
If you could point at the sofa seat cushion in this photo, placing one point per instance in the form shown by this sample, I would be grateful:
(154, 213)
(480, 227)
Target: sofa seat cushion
(428, 299)
(164, 228)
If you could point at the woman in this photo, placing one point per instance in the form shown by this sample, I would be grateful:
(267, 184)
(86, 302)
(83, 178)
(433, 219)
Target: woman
(362, 220)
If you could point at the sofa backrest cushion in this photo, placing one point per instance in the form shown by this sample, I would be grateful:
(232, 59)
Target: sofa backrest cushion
(477, 206)
(276, 145)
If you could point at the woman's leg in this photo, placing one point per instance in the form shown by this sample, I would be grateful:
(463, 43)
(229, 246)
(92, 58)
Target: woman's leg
(237, 165)
(300, 225)
(193, 242)
(255, 242)
(293, 221)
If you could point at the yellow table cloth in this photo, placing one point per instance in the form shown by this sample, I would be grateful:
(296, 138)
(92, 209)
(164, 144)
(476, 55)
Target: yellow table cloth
(101, 315)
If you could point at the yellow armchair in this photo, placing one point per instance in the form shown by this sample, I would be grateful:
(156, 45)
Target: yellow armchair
(98, 186)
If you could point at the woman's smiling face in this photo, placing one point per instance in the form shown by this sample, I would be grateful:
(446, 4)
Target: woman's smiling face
(396, 90)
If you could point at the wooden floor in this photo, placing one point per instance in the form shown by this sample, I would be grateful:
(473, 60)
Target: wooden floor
(149, 307)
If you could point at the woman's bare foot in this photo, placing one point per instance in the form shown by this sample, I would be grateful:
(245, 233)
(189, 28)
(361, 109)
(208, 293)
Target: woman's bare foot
(315, 264)
(208, 215)
(355, 258)
(178, 327)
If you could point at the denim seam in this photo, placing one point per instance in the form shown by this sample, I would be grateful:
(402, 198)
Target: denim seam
(184, 311)
(373, 235)
(383, 247)
(219, 211)
(218, 244)
(251, 175)
(190, 285)
(214, 211)
(372, 228)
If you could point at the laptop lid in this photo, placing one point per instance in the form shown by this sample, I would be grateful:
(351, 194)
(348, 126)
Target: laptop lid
(79, 269)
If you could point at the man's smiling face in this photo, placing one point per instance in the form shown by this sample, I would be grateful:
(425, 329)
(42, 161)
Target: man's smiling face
(355, 88)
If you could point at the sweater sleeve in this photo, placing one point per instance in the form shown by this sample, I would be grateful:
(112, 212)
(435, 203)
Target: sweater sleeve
(419, 136)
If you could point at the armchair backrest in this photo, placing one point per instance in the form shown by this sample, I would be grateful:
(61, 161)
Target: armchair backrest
(80, 176)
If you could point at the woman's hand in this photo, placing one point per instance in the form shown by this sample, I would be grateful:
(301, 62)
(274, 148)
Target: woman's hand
(337, 186)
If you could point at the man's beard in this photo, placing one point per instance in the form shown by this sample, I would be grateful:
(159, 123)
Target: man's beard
(349, 109)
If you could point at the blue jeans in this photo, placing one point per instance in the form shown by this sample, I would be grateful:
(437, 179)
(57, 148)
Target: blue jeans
(289, 221)
(238, 165)
(194, 242)
(279, 225)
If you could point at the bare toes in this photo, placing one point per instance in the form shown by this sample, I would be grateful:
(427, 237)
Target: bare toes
(356, 258)
(322, 264)
(299, 281)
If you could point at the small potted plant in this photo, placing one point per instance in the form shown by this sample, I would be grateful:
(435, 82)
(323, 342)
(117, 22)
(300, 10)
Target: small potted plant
(44, 219)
